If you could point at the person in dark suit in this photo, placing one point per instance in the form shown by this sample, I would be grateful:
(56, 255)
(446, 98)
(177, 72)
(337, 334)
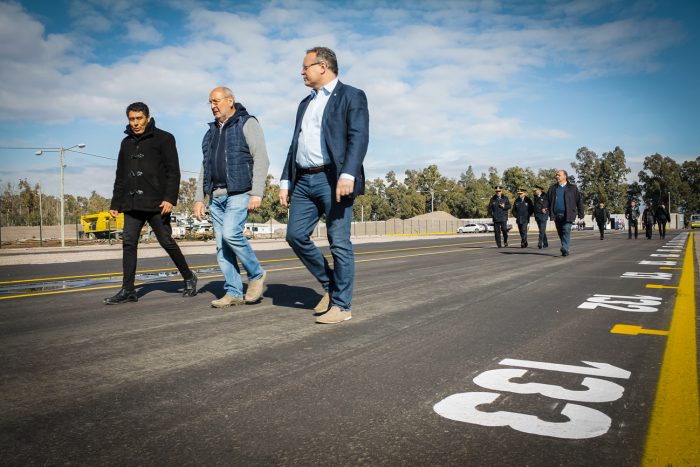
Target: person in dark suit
(541, 210)
(602, 217)
(323, 174)
(648, 220)
(565, 203)
(522, 211)
(498, 210)
(662, 218)
(632, 216)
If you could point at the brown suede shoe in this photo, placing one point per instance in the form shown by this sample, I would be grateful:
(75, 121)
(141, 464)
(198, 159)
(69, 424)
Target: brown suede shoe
(334, 316)
(255, 289)
(323, 304)
(227, 300)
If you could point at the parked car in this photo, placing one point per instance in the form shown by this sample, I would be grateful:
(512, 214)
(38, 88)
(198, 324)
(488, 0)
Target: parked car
(491, 229)
(474, 228)
(485, 228)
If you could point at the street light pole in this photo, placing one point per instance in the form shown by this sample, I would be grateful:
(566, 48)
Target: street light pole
(41, 221)
(432, 197)
(61, 150)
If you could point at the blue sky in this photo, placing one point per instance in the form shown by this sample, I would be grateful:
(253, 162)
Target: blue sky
(452, 83)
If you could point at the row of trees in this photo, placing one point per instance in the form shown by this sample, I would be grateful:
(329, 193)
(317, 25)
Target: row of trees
(600, 178)
(24, 204)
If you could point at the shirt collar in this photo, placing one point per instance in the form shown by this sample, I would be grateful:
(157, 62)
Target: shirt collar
(326, 89)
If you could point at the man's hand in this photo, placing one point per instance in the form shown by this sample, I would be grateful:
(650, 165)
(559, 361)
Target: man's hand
(343, 188)
(114, 213)
(254, 202)
(199, 210)
(284, 197)
(165, 208)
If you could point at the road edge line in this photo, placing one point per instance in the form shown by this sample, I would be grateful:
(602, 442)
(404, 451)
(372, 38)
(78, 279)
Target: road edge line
(673, 437)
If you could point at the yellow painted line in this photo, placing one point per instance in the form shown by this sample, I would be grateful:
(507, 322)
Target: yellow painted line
(669, 268)
(674, 431)
(76, 290)
(632, 330)
(267, 261)
(661, 286)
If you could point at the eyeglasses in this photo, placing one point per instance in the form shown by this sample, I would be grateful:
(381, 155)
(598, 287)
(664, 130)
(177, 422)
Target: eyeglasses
(306, 67)
(216, 101)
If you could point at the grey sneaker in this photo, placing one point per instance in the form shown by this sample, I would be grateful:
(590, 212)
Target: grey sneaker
(334, 316)
(227, 300)
(323, 304)
(255, 289)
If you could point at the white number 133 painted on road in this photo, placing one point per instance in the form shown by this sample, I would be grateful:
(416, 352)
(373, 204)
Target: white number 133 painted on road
(583, 423)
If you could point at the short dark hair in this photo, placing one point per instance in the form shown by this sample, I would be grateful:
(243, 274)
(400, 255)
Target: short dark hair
(138, 107)
(326, 55)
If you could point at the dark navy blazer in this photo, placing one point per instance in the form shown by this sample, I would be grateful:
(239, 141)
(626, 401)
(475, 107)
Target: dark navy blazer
(345, 135)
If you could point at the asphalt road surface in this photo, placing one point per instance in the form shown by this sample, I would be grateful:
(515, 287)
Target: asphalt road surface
(458, 353)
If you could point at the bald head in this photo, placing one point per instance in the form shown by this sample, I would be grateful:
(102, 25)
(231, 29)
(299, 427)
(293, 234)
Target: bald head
(222, 103)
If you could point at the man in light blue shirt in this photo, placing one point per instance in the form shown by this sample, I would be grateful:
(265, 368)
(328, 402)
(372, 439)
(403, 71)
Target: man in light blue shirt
(323, 174)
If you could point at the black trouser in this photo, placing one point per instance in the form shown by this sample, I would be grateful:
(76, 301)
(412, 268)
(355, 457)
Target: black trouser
(649, 228)
(542, 226)
(133, 223)
(601, 227)
(499, 227)
(662, 228)
(522, 229)
(633, 223)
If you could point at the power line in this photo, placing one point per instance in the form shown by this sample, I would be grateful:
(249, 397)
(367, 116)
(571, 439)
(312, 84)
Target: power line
(87, 154)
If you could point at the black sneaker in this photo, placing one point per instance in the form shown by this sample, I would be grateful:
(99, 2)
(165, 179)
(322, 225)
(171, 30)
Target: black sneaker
(190, 286)
(123, 296)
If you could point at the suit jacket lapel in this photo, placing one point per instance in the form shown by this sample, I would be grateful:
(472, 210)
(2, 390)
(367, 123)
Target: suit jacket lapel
(332, 103)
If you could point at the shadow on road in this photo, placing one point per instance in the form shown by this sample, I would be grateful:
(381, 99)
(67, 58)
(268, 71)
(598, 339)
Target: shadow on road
(291, 296)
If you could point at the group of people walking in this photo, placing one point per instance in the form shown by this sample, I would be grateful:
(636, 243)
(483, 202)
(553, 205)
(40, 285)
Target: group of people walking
(562, 204)
(650, 216)
(322, 176)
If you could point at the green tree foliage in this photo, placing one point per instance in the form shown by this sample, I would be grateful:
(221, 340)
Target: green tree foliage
(437, 190)
(602, 179)
(690, 176)
(185, 199)
(270, 207)
(546, 178)
(517, 177)
(97, 203)
(660, 177)
(475, 195)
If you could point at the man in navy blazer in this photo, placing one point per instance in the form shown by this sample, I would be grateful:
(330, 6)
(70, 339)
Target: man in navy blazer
(323, 174)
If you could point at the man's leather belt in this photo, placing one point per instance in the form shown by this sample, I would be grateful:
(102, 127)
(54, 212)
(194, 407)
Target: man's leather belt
(313, 170)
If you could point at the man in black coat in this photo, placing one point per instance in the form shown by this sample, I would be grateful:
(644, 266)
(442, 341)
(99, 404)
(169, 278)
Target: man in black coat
(145, 190)
(541, 211)
(662, 218)
(632, 216)
(648, 220)
(522, 210)
(498, 209)
(602, 217)
(565, 203)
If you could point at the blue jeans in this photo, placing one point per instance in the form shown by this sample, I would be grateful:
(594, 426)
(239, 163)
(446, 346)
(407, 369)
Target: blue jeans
(314, 195)
(564, 231)
(542, 226)
(229, 214)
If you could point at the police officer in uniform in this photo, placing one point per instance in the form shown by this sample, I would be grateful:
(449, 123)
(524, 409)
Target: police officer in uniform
(498, 209)
(522, 210)
(541, 211)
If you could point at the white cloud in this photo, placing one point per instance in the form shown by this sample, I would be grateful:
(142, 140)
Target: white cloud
(437, 76)
(139, 32)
